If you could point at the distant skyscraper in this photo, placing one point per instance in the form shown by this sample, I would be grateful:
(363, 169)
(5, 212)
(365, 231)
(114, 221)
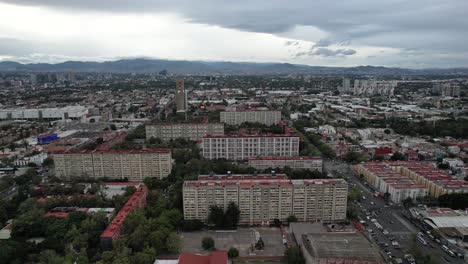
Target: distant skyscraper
(346, 86)
(33, 79)
(180, 96)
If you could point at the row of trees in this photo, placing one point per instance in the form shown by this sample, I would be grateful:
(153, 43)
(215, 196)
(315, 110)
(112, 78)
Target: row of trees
(228, 219)
(454, 200)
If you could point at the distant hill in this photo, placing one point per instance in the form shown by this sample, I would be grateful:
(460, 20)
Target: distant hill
(217, 67)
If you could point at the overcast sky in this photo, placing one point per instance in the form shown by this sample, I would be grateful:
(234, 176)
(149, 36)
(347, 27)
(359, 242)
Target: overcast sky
(393, 33)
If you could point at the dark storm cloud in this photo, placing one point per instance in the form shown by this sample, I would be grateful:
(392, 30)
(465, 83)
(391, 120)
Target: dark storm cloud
(431, 26)
(322, 43)
(325, 52)
(435, 24)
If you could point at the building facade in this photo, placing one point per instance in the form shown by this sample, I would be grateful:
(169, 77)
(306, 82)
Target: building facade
(373, 87)
(135, 165)
(242, 147)
(409, 179)
(298, 162)
(190, 131)
(238, 117)
(180, 96)
(263, 198)
(69, 112)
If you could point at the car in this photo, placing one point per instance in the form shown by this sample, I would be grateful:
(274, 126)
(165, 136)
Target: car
(385, 232)
(446, 259)
(372, 203)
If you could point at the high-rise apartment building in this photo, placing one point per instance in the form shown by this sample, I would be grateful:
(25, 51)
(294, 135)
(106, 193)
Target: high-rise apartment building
(446, 89)
(373, 87)
(181, 100)
(135, 165)
(253, 116)
(346, 86)
(191, 131)
(263, 198)
(298, 162)
(242, 147)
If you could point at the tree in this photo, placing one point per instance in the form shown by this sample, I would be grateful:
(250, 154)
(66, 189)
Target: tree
(397, 156)
(231, 216)
(192, 225)
(408, 202)
(173, 243)
(291, 219)
(354, 157)
(233, 252)
(443, 166)
(354, 195)
(48, 162)
(216, 216)
(454, 200)
(293, 255)
(208, 243)
(260, 245)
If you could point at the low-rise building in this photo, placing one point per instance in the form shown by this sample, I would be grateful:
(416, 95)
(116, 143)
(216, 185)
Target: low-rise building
(298, 162)
(410, 179)
(113, 230)
(135, 165)
(69, 112)
(263, 198)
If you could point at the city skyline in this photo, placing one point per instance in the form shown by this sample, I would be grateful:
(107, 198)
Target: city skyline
(390, 33)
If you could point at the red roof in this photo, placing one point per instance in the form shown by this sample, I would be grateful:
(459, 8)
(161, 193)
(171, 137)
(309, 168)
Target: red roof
(113, 229)
(134, 151)
(216, 257)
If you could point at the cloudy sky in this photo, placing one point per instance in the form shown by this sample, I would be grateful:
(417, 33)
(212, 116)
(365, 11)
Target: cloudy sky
(394, 33)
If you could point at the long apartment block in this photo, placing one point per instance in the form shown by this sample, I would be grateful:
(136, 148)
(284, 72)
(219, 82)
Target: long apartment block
(190, 131)
(434, 181)
(297, 162)
(242, 146)
(254, 116)
(263, 198)
(136, 165)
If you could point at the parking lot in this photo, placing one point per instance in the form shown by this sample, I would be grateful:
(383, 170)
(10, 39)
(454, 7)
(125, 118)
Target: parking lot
(242, 239)
(396, 226)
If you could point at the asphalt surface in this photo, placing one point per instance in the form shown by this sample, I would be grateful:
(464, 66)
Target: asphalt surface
(391, 219)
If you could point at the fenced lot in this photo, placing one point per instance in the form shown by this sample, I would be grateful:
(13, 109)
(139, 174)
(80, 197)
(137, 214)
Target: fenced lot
(242, 239)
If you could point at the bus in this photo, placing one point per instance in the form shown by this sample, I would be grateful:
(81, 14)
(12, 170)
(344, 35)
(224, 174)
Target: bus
(422, 241)
(379, 226)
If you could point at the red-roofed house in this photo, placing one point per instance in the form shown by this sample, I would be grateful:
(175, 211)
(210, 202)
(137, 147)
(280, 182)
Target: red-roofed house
(216, 257)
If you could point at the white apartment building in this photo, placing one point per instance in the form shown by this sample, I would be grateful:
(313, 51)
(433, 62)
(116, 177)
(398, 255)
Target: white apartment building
(254, 116)
(373, 87)
(298, 162)
(263, 198)
(242, 147)
(190, 131)
(69, 112)
(136, 165)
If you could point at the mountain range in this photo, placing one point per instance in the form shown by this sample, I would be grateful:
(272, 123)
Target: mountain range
(215, 67)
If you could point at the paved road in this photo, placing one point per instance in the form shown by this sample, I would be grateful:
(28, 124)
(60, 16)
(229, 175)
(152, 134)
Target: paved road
(374, 209)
